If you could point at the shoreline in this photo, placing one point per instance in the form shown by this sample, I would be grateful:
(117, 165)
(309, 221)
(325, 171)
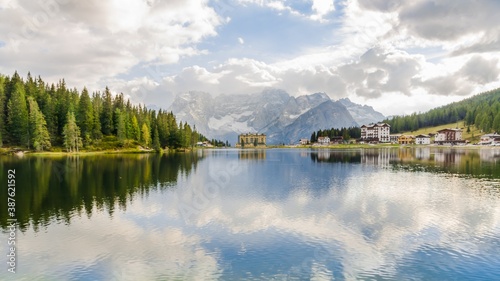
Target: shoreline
(10, 151)
(362, 146)
(21, 152)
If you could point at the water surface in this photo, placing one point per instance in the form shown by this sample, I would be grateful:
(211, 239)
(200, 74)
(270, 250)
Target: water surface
(384, 214)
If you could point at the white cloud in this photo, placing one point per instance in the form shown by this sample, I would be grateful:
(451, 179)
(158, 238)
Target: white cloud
(278, 5)
(382, 48)
(90, 40)
(321, 8)
(378, 74)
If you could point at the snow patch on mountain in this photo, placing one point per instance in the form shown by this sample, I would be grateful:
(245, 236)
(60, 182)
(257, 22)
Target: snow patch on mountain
(274, 112)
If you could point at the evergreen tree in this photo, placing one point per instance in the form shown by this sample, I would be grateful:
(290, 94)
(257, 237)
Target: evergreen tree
(156, 139)
(313, 137)
(107, 113)
(17, 112)
(146, 135)
(96, 122)
(187, 135)
(62, 106)
(136, 133)
(121, 132)
(38, 127)
(71, 133)
(85, 116)
(2, 108)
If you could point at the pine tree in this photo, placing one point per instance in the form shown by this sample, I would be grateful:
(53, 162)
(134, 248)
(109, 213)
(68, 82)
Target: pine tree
(146, 135)
(187, 135)
(38, 127)
(71, 133)
(96, 122)
(313, 137)
(62, 106)
(107, 113)
(17, 112)
(2, 107)
(136, 133)
(121, 130)
(85, 116)
(156, 139)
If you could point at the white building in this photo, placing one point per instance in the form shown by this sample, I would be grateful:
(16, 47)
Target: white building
(489, 138)
(449, 136)
(376, 132)
(423, 139)
(304, 141)
(324, 140)
(394, 138)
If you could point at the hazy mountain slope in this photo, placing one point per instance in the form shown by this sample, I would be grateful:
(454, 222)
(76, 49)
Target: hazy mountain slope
(327, 115)
(362, 114)
(272, 112)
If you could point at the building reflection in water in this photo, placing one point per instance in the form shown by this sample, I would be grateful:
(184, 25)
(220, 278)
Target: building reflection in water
(252, 154)
(481, 162)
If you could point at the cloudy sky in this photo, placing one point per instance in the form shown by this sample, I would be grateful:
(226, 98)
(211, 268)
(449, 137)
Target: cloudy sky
(398, 56)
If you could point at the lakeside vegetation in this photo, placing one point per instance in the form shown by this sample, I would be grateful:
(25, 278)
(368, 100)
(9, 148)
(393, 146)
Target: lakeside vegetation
(39, 116)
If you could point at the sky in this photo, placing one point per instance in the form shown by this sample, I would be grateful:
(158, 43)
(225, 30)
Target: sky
(397, 56)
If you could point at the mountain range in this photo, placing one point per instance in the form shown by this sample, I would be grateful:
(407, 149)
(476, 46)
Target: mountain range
(283, 118)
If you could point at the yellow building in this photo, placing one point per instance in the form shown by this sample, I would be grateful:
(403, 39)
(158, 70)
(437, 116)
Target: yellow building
(406, 139)
(251, 140)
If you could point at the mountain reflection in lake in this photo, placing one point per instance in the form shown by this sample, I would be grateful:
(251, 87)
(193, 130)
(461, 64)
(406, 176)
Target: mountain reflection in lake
(387, 214)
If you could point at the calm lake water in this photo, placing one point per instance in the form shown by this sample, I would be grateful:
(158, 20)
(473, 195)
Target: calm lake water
(374, 214)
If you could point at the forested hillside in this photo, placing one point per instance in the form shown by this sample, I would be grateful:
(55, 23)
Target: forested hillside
(37, 115)
(482, 110)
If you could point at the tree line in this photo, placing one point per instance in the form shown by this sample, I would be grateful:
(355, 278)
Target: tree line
(482, 111)
(345, 133)
(38, 115)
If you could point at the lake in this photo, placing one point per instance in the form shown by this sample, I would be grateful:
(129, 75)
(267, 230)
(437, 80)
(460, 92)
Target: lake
(424, 213)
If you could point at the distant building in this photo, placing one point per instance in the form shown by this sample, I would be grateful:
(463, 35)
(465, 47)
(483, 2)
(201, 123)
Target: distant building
(251, 140)
(394, 138)
(376, 132)
(337, 140)
(449, 136)
(323, 140)
(489, 138)
(423, 139)
(204, 144)
(304, 141)
(406, 139)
